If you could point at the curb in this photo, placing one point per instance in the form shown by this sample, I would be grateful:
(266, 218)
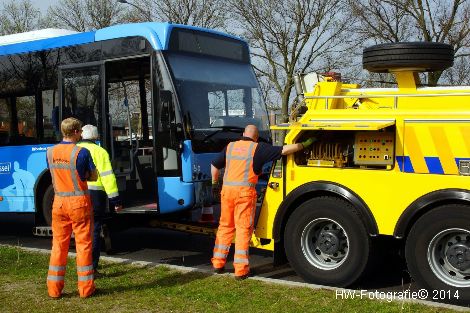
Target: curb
(186, 269)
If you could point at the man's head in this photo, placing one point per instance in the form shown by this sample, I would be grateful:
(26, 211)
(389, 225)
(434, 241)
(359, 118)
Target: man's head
(251, 131)
(71, 128)
(90, 132)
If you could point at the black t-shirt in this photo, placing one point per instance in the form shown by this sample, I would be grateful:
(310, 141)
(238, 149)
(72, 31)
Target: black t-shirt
(264, 153)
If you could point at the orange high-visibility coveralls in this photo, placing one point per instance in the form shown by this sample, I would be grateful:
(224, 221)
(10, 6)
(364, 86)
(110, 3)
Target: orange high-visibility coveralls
(238, 205)
(71, 210)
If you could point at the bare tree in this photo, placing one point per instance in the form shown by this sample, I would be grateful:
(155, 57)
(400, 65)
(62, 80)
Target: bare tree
(86, 15)
(203, 13)
(18, 17)
(290, 36)
(381, 21)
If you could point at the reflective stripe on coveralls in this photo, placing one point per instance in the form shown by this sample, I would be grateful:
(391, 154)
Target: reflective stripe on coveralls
(238, 206)
(71, 211)
(106, 180)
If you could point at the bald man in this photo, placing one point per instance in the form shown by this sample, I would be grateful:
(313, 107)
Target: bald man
(243, 161)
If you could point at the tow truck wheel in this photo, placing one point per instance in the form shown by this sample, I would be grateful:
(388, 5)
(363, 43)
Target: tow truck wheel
(326, 242)
(418, 56)
(438, 252)
(47, 205)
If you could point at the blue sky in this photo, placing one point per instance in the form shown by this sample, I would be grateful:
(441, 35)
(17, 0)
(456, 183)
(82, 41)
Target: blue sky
(41, 4)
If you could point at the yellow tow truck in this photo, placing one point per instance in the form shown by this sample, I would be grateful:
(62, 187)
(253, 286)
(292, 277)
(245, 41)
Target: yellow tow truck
(387, 161)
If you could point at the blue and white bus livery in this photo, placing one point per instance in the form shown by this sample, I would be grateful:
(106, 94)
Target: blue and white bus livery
(164, 97)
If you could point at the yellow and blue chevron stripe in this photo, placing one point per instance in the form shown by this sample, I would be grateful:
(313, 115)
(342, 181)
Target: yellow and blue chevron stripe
(435, 147)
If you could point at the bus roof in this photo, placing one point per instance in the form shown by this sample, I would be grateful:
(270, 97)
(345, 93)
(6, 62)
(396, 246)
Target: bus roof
(157, 34)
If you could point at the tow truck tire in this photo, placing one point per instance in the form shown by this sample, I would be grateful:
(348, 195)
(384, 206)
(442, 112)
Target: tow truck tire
(438, 253)
(47, 205)
(418, 56)
(326, 242)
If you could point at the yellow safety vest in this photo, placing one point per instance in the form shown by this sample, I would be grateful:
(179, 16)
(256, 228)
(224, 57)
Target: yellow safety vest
(106, 180)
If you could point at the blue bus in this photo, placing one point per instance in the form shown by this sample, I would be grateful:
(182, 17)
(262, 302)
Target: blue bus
(164, 97)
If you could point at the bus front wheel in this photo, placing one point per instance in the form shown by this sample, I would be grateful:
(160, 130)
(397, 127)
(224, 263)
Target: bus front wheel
(47, 205)
(438, 251)
(326, 242)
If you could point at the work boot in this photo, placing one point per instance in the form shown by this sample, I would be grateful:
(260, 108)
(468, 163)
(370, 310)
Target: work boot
(242, 277)
(219, 270)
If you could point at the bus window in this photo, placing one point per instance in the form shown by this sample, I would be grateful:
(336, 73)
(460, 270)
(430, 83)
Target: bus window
(218, 99)
(25, 108)
(82, 95)
(50, 117)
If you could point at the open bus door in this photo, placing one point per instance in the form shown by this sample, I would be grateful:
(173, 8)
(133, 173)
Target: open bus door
(128, 118)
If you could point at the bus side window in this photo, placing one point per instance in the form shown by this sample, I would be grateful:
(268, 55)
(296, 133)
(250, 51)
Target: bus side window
(26, 115)
(18, 121)
(50, 109)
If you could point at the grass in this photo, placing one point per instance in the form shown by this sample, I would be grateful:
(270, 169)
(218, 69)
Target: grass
(127, 288)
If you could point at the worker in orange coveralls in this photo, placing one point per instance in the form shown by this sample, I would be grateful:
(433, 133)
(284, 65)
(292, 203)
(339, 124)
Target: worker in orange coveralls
(243, 161)
(71, 167)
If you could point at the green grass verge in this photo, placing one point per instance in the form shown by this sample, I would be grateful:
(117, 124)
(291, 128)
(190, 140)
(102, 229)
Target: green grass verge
(127, 288)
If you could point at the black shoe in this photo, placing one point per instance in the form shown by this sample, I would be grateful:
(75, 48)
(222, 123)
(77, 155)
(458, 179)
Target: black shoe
(219, 270)
(242, 277)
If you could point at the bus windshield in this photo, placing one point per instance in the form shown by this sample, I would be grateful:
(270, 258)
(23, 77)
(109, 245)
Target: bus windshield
(218, 97)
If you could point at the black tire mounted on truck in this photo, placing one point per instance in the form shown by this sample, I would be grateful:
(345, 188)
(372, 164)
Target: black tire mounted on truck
(419, 56)
(438, 252)
(47, 205)
(326, 242)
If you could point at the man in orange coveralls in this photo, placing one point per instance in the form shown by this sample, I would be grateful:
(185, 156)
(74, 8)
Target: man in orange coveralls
(70, 167)
(243, 161)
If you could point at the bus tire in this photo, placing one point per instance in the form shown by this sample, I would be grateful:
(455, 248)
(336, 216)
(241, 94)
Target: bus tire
(438, 252)
(326, 242)
(47, 205)
(418, 56)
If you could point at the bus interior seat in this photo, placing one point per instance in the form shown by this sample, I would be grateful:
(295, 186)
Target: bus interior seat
(143, 164)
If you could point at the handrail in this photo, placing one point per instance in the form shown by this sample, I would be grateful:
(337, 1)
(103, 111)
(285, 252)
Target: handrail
(394, 96)
(390, 96)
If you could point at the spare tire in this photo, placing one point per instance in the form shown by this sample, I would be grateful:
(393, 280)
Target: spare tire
(417, 56)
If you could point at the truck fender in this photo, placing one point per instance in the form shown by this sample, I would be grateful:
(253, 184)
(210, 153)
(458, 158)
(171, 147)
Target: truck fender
(321, 188)
(426, 203)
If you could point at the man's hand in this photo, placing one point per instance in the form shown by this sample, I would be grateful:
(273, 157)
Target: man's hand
(118, 208)
(215, 191)
(308, 142)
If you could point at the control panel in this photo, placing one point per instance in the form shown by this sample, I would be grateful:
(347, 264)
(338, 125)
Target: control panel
(374, 148)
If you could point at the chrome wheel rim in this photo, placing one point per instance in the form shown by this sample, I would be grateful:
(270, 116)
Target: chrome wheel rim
(449, 256)
(325, 244)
